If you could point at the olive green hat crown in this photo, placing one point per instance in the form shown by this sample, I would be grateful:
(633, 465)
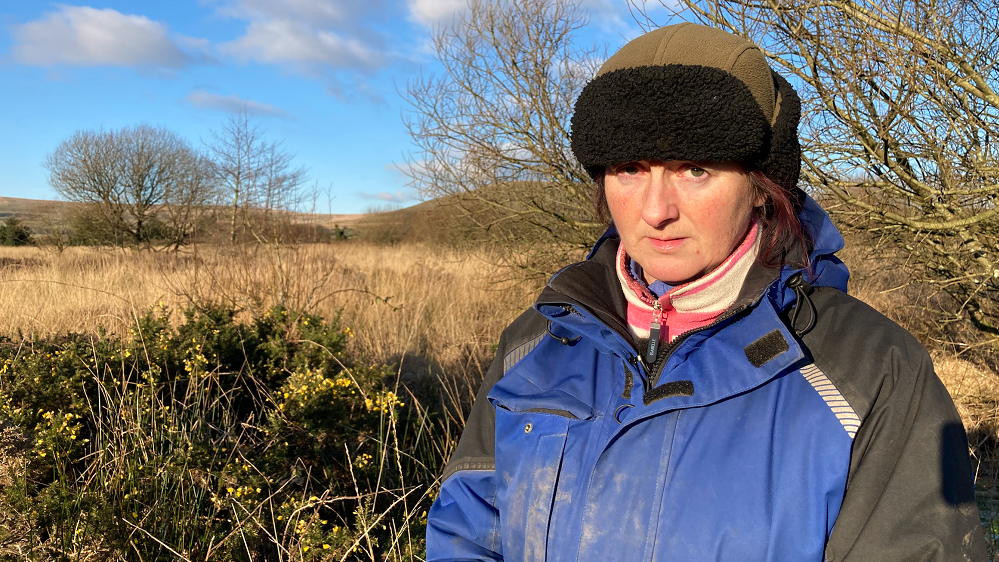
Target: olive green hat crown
(689, 92)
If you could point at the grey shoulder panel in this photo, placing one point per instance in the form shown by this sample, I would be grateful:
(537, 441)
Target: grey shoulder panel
(476, 448)
(858, 348)
(910, 489)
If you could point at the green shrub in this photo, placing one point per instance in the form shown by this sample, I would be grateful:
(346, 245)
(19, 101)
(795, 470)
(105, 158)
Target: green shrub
(15, 233)
(213, 438)
(90, 228)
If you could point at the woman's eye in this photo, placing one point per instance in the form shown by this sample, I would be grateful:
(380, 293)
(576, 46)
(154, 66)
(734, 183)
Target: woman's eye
(697, 172)
(629, 170)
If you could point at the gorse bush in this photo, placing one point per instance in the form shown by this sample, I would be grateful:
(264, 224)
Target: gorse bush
(213, 438)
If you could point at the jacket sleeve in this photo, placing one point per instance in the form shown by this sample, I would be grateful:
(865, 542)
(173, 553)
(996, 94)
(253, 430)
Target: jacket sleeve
(463, 523)
(910, 492)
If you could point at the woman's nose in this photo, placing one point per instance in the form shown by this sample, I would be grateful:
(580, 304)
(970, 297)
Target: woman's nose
(660, 200)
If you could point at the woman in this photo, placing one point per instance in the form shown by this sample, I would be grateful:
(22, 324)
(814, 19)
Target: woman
(701, 387)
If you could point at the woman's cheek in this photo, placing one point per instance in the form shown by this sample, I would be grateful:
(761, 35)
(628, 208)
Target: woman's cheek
(622, 202)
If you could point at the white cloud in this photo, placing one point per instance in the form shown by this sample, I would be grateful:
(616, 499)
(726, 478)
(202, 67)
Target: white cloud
(192, 43)
(655, 5)
(285, 41)
(637, 16)
(407, 169)
(606, 13)
(432, 12)
(233, 104)
(313, 37)
(353, 88)
(84, 36)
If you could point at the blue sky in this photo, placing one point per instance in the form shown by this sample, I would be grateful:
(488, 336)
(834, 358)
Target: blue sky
(322, 76)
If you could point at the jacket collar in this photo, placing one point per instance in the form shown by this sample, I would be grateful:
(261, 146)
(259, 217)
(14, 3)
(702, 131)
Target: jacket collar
(591, 286)
(724, 363)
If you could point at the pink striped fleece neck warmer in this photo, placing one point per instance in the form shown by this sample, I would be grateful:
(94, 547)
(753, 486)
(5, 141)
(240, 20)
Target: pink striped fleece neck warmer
(692, 305)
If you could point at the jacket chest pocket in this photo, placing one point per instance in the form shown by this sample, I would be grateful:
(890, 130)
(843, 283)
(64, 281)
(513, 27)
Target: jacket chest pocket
(529, 449)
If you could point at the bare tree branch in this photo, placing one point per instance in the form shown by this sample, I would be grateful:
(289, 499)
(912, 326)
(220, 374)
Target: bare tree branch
(256, 177)
(492, 130)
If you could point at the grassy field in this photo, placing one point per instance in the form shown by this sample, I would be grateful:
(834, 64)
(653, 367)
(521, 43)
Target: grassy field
(402, 313)
(399, 300)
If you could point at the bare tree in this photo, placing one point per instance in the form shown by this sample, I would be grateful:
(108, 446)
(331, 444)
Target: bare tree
(190, 197)
(492, 128)
(54, 219)
(899, 118)
(255, 175)
(145, 183)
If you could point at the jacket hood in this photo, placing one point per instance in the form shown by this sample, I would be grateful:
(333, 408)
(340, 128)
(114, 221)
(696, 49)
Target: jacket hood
(825, 270)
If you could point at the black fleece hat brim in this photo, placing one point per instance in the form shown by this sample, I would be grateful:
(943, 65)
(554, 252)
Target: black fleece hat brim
(683, 112)
(783, 160)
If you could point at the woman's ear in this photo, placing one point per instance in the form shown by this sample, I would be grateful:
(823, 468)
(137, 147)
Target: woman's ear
(759, 200)
(759, 195)
(757, 190)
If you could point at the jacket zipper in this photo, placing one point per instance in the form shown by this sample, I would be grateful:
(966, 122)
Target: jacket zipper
(652, 352)
(656, 368)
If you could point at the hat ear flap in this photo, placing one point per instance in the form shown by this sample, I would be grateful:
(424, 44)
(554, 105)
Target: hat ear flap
(783, 163)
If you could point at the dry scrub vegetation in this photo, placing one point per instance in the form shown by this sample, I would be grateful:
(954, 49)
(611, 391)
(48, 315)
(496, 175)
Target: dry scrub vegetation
(311, 424)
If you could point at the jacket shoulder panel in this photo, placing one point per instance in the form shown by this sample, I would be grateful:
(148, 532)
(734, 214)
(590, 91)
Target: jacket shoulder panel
(514, 356)
(476, 448)
(833, 398)
(859, 349)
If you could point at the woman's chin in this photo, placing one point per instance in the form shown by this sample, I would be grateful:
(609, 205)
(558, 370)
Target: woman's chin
(671, 276)
(673, 268)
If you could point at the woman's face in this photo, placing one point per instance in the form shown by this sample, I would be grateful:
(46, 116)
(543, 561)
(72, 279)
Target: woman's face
(679, 220)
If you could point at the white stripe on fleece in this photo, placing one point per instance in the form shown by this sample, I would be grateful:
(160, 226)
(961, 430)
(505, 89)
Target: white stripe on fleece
(717, 291)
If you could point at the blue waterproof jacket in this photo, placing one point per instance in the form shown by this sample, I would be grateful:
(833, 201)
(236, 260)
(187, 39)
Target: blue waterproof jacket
(750, 439)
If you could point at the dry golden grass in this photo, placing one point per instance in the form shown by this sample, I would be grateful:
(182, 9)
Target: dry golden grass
(430, 306)
(975, 391)
(402, 300)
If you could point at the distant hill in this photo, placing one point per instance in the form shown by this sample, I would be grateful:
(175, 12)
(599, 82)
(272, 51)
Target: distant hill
(42, 215)
(30, 207)
(437, 221)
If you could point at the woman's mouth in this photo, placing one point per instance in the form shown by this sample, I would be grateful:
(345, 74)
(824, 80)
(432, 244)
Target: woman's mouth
(667, 244)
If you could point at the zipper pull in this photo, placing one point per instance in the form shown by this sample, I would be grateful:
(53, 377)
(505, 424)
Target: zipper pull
(654, 330)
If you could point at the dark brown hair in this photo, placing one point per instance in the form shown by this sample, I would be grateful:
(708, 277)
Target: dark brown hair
(782, 238)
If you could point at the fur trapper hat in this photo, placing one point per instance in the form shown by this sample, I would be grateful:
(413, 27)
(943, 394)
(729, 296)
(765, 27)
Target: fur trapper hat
(690, 92)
